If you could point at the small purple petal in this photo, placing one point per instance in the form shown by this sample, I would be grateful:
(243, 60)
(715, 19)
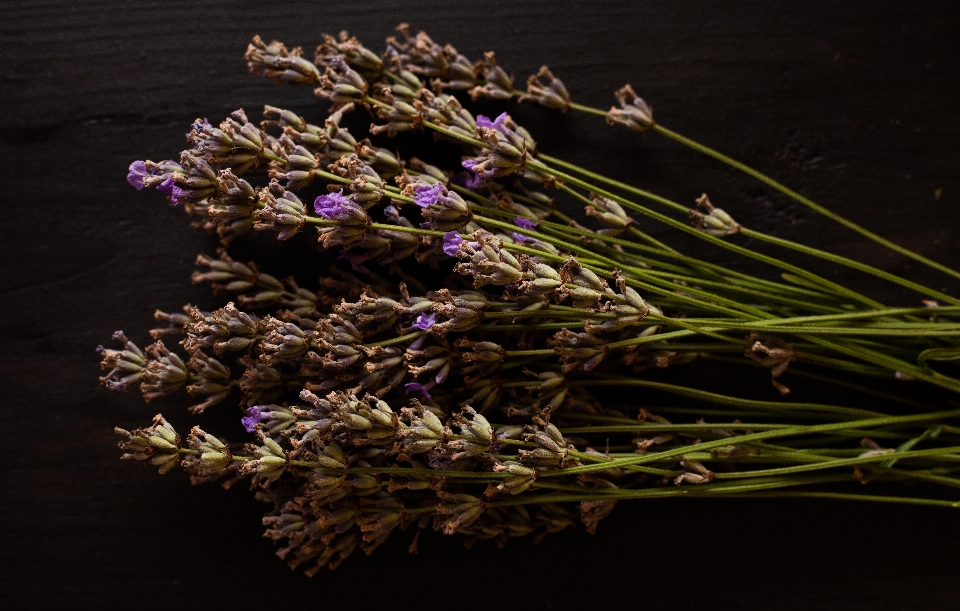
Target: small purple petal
(469, 163)
(167, 186)
(137, 170)
(519, 237)
(425, 322)
(178, 195)
(523, 223)
(331, 204)
(496, 124)
(255, 415)
(418, 389)
(451, 243)
(427, 195)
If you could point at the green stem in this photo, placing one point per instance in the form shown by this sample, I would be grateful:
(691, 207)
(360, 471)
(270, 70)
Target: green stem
(806, 201)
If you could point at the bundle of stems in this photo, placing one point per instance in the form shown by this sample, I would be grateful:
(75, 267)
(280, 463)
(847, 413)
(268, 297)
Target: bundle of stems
(453, 375)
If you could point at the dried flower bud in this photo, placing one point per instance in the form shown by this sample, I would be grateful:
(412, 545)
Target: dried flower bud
(443, 210)
(236, 142)
(225, 329)
(126, 366)
(158, 444)
(771, 352)
(213, 381)
(712, 221)
(297, 164)
(475, 437)
(610, 213)
(462, 509)
(424, 431)
(341, 84)
(547, 90)
(275, 61)
(284, 342)
(488, 263)
(351, 220)
(460, 312)
(355, 54)
(498, 85)
(480, 359)
(578, 350)
(523, 477)
(282, 212)
(214, 455)
(165, 373)
(633, 112)
(271, 460)
(367, 187)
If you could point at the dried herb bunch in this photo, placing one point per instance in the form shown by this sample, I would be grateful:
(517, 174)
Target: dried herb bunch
(383, 398)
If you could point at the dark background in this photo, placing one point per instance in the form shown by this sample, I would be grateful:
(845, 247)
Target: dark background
(855, 104)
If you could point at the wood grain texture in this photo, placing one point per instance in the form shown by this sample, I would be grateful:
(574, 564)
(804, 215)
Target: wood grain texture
(854, 104)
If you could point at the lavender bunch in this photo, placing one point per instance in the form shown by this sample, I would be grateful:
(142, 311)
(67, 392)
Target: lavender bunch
(448, 375)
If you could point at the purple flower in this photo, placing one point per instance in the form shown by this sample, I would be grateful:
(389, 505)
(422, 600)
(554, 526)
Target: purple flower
(425, 322)
(255, 415)
(451, 243)
(178, 195)
(519, 237)
(427, 195)
(137, 170)
(331, 204)
(423, 392)
(523, 223)
(167, 186)
(496, 124)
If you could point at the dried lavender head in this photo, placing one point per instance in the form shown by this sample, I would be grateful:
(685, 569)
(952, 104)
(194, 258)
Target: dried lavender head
(489, 263)
(236, 142)
(443, 210)
(547, 90)
(158, 445)
(297, 164)
(282, 212)
(498, 85)
(579, 350)
(215, 456)
(368, 187)
(165, 373)
(126, 366)
(351, 220)
(212, 380)
(634, 113)
(275, 61)
(225, 329)
(341, 84)
(610, 213)
(357, 56)
(712, 221)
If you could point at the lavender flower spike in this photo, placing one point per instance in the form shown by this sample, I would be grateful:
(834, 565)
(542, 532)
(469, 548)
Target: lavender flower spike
(137, 170)
(255, 415)
(331, 205)
(424, 322)
(427, 195)
(523, 223)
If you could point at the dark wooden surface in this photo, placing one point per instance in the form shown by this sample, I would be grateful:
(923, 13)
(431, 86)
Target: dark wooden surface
(855, 104)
